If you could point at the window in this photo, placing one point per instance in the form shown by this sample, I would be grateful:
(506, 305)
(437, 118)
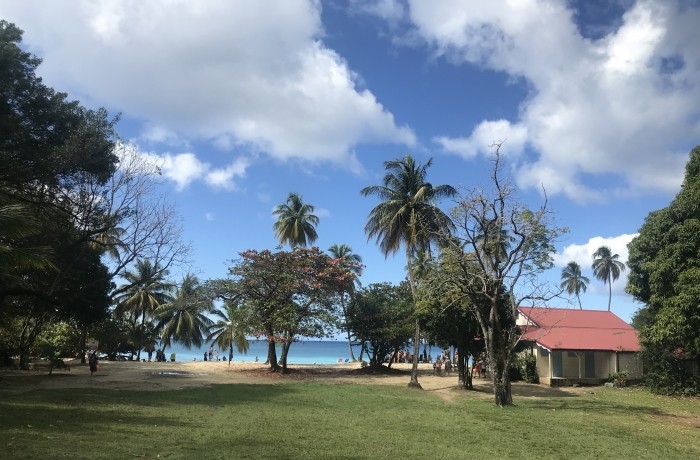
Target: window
(544, 352)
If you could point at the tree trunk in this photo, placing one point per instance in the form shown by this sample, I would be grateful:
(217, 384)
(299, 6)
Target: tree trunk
(498, 358)
(416, 340)
(230, 353)
(416, 352)
(498, 366)
(352, 353)
(347, 329)
(610, 292)
(272, 355)
(465, 376)
(285, 352)
(83, 348)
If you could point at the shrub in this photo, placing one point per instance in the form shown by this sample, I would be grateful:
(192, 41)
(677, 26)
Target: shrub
(619, 379)
(523, 367)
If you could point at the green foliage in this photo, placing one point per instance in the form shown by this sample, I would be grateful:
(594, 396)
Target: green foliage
(607, 268)
(288, 294)
(296, 223)
(381, 314)
(55, 156)
(523, 367)
(572, 281)
(408, 213)
(184, 319)
(664, 262)
(58, 340)
(619, 379)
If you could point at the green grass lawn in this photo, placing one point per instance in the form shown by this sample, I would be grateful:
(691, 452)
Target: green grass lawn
(316, 420)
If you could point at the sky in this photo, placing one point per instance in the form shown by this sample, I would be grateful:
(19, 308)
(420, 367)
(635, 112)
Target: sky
(242, 102)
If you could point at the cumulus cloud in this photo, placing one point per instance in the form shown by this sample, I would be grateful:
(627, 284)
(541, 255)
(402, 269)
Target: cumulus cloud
(252, 74)
(583, 255)
(511, 137)
(185, 168)
(622, 106)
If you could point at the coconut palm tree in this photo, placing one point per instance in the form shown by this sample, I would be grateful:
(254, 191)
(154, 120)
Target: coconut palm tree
(295, 222)
(607, 268)
(146, 290)
(407, 215)
(354, 263)
(227, 330)
(573, 281)
(184, 319)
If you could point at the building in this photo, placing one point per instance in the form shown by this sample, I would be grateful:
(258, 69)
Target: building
(579, 346)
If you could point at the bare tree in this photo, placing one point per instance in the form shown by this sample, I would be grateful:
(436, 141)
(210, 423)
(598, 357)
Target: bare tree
(128, 219)
(500, 247)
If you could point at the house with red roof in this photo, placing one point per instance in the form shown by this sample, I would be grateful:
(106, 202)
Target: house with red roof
(579, 346)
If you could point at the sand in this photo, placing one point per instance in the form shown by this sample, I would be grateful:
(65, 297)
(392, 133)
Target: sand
(153, 376)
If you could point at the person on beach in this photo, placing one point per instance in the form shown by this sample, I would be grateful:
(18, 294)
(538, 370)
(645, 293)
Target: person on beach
(211, 353)
(205, 356)
(216, 355)
(93, 363)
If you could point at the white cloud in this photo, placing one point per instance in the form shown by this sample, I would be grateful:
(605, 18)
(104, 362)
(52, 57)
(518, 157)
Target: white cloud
(254, 74)
(322, 212)
(484, 136)
(185, 168)
(209, 216)
(624, 105)
(223, 178)
(182, 168)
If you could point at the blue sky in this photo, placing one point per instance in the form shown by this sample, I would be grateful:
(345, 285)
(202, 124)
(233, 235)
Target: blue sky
(243, 102)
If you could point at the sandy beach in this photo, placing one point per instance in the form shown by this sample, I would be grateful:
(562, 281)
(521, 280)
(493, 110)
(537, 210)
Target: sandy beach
(153, 376)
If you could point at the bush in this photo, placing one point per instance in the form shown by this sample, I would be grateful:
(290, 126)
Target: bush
(667, 374)
(523, 367)
(619, 379)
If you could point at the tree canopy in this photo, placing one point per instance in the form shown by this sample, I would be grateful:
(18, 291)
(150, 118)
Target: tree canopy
(664, 263)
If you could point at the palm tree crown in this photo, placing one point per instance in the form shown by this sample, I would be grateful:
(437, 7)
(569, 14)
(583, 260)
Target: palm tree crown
(344, 253)
(146, 291)
(295, 222)
(184, 319)
(407, 213)
(573, 281)
(227, 330)
(607, 268)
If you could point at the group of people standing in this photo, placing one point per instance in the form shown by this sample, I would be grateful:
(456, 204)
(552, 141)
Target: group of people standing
(442, 360)
(213, 355)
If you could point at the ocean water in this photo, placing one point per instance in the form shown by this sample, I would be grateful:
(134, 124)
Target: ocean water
(302, 352)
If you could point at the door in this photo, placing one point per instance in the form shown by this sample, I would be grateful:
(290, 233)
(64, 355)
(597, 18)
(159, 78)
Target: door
(589, 359)
(557, 364)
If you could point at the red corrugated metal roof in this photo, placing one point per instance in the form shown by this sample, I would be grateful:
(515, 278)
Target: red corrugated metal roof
(563, 329)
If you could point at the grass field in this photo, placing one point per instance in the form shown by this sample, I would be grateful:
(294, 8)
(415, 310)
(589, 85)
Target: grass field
(317, 420)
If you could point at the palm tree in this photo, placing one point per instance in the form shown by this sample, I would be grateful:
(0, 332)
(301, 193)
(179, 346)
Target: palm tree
(295, 222)
(408, 216)
(184, 319)
(17, 223)
(573, 281)
(146, 291)
(354, 263)
(227, 330)
(607, 268)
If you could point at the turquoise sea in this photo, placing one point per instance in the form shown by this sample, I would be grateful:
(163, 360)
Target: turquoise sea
(302, 352)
